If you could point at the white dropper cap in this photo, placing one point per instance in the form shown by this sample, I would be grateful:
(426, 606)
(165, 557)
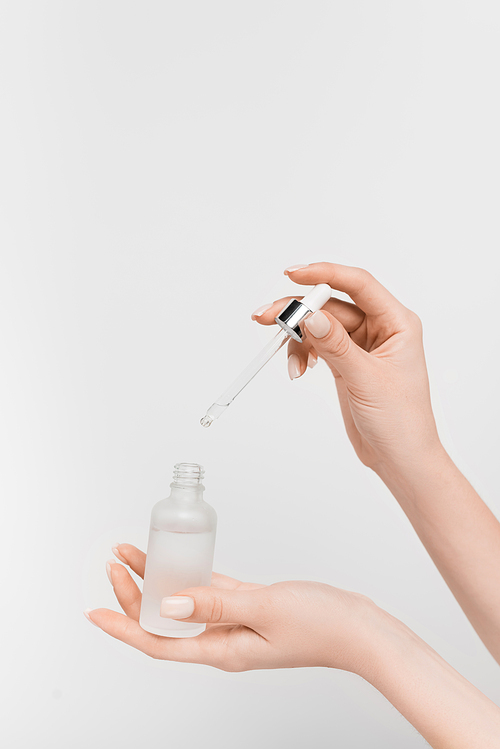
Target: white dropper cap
(295, 312)
(317, 297)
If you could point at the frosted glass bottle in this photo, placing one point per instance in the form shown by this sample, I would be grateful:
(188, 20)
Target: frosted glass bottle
(180, 550)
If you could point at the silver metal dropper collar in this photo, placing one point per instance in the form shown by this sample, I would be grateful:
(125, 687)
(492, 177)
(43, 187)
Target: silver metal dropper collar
(291, 317)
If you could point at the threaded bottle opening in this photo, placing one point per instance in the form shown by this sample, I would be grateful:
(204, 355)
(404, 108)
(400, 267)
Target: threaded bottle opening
(188, 474)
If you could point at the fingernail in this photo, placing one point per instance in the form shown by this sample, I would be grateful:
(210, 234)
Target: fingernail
(108, 569)
(311, 360)
(293, 366)
(318, 324)
(86, 614)
(260, 310)
(295, 267)
(177, 607)
(117, 554)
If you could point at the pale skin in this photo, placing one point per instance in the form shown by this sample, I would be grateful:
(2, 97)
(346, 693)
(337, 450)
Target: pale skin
(374, 350)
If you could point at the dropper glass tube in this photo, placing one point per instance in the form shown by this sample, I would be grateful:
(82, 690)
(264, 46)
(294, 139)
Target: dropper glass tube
(290, 320)
(227, 397)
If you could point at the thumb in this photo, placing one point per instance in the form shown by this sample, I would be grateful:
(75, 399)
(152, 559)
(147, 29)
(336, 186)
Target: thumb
(332, 342)
(210, 605)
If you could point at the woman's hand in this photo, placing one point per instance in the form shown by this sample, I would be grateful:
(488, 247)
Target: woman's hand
(249, 626)
(374, 350)
(295, 624)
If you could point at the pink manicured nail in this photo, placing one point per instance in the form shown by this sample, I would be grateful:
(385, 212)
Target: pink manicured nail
(177, 607)
(117, 554)
(260, 310)
(108, 569)
(311, 360)
(318, 324)
(86, 614)
(293, 366)
(294, 267)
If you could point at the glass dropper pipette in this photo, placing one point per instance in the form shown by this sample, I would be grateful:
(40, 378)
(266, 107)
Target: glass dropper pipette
(227, 397)
(289, 320)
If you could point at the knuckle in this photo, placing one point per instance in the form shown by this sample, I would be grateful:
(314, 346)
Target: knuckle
(216, 610)
(128, 628)
(339, 344)
(363, 278)
(417, 321)
(414, 321)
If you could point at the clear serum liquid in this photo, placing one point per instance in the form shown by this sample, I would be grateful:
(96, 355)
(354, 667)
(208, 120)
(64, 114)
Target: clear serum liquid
(180, 550)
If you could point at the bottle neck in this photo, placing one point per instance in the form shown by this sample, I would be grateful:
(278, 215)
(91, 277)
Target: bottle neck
(187, 482)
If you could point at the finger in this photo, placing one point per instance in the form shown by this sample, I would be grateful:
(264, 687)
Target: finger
(128, 630)
(131, 555)
(224, 582)
(312, 358)
(334, 345)
(300, 356)
(348, 314)
(216, 605)
(127, 593)
(368, 293)
(229, 583)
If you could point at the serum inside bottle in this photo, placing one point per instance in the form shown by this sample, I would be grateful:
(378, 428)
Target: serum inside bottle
(180, 550)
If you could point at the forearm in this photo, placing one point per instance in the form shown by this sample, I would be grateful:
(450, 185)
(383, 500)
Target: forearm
(445, 708)
(458, 530)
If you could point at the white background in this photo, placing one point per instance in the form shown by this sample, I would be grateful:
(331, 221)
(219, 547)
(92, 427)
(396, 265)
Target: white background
(161, 164)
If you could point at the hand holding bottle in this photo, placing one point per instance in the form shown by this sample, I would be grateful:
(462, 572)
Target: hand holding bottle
(294, 624)
(249, 626)
(375, 352)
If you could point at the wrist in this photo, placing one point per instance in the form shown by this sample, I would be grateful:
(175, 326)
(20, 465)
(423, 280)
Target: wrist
(440, 703)
(364, 635)
(384, 635)
(407, 476)
(391, 641)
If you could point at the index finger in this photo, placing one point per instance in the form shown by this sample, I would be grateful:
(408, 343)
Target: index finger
(348, 314)
(368, 293)
(131, 555)
(129, 631)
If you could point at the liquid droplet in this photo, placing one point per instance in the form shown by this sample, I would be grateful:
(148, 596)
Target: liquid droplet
(206, 421)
